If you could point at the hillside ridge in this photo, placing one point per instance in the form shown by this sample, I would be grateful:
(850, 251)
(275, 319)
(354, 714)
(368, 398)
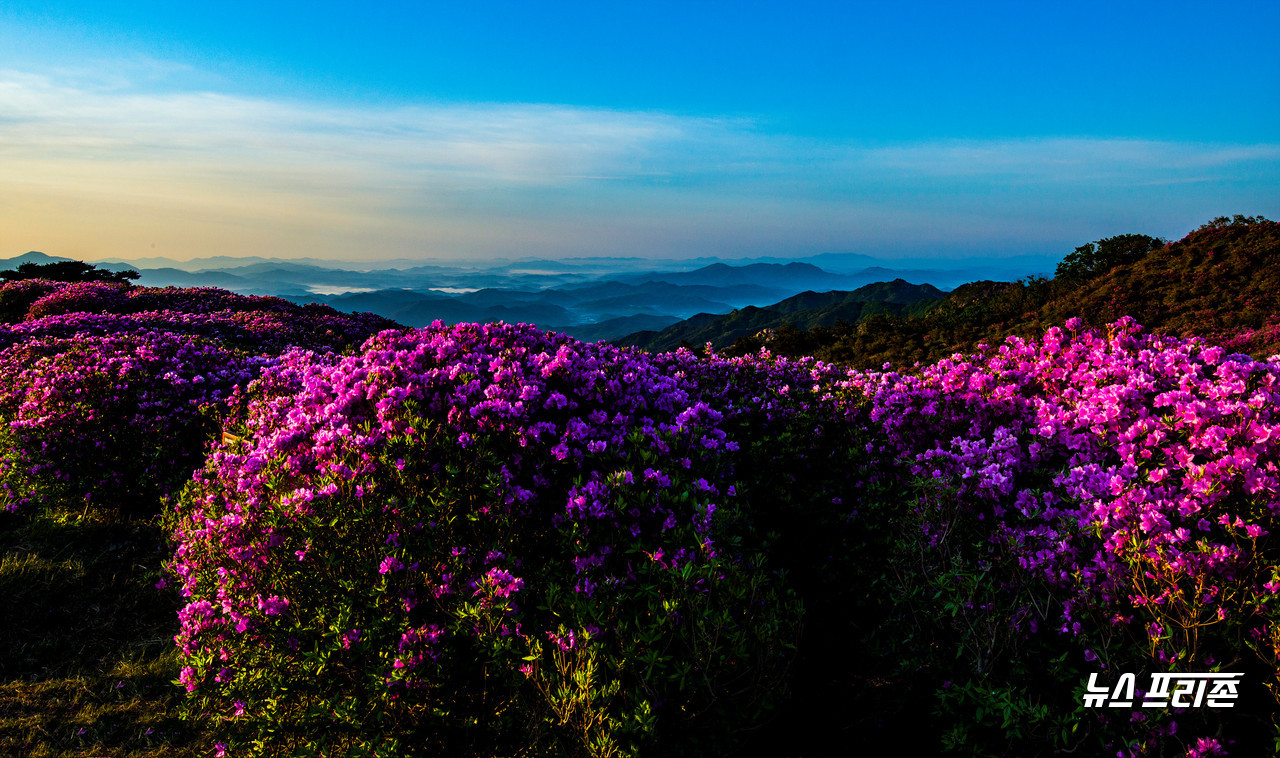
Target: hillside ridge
(1220, 282)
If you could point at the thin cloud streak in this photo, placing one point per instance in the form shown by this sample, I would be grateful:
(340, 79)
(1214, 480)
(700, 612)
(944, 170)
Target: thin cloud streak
(1064, 159)
(535, 144)
(107, 170)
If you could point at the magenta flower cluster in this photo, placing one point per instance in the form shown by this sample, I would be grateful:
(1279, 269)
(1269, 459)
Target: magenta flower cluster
(248, 322)
(327, 427)
(113, 419)
(1134, 476)
(478, 485)
(110, 393)
(78, 297)
(1156, 461)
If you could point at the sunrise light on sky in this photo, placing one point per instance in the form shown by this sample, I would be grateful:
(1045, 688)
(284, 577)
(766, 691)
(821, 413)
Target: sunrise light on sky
(479, 130)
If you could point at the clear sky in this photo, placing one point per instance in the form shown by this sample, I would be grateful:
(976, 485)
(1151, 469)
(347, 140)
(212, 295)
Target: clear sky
(479, 129)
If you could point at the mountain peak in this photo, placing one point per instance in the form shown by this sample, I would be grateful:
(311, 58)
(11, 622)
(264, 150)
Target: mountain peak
(33, 256)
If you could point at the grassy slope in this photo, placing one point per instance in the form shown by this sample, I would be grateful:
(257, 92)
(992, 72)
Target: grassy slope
(87, 658)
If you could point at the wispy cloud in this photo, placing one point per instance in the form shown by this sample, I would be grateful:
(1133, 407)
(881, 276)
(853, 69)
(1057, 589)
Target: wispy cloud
(537, 144)
(1064, 159)
(93, 165)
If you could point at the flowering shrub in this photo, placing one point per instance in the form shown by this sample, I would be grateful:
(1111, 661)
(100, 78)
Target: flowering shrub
(115, 409)
(1116, 490)
(481, 540)
(262, 322)
(248, 321)
(115, 420)
(16, 297)
(202, 300)
(244, 330)
(91, 297)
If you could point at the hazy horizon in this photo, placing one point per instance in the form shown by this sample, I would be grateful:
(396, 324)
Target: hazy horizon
(842, 261)
(358, 134)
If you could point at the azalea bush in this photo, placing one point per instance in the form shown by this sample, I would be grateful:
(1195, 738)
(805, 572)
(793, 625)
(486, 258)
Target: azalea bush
(256, 322)
(16, 297)
(112, 421)
(1086, 502)
(480, 540)
(77, 297)
(250, 322)
(488, 540)
(104, 404)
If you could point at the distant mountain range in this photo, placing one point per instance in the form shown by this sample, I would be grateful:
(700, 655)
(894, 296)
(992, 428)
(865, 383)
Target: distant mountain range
(590, 298)
(1221, 282)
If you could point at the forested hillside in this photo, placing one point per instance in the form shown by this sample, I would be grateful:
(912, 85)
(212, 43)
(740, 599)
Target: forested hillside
(1221, 282)
(804, 311)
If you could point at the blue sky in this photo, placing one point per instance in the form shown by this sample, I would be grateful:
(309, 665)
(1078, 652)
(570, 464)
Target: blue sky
(477, 130)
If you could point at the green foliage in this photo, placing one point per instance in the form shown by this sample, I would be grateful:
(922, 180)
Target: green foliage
(67, 271)
(1096, 258)
(1225, 222)
(806, 482)
(966, 631)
